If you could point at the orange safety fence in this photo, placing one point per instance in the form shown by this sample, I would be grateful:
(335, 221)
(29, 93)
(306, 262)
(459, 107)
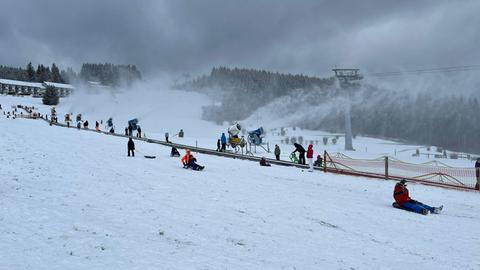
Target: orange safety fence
(391, 168)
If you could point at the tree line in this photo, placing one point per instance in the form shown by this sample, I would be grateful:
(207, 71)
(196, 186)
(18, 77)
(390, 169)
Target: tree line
(106, 74)
(29, 73)
(109, 74)
(242, 91)
(448, 121)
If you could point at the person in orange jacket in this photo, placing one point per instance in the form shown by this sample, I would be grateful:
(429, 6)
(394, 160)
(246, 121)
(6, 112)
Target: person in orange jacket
(189, 161)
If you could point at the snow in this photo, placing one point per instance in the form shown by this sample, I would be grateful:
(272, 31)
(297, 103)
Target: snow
(73, 200)
(21, 83)
(59, 85)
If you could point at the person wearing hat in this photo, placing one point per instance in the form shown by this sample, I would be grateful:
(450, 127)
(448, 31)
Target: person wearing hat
(402, 198)
(189, 161)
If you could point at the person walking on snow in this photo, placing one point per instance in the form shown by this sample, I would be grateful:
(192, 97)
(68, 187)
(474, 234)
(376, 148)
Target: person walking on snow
(277, 152)
(166, 136)
(85, 124)
(97, 126)
(477, 171)
(223, 140)
(139, 132)
(131, 147)
(400, 194)
(219, 147)
(189, 161)
(301, 152)
(310, 157)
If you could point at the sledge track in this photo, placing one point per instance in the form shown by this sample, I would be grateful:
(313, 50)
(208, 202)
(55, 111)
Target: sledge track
(271, 161)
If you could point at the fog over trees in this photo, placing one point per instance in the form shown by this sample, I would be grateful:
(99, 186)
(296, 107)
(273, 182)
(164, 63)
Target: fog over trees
(447, 120)
(106, 74)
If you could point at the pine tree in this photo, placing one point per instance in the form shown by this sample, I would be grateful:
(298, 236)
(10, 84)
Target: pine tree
(51, 96)
(56, 77)
(30, 72)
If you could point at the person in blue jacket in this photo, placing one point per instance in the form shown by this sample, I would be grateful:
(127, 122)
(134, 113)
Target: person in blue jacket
(223, 140)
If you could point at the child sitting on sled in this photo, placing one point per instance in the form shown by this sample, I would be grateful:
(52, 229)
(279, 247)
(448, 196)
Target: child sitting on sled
(189, 161)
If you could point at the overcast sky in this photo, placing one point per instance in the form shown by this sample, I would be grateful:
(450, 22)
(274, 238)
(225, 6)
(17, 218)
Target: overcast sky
(288, 36)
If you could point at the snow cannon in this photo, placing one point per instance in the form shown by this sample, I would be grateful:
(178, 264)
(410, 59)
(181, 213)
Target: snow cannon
(256, 136)
(234, 130)
(133, 123)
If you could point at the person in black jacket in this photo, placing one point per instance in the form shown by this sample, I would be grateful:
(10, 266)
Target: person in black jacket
(263, 162)
(477, 172)
(301, 151)
(130, 130)
(131, 147)
(139, 132)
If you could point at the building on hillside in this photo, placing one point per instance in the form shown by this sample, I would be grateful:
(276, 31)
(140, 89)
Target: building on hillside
(13, 87)
(62, 88)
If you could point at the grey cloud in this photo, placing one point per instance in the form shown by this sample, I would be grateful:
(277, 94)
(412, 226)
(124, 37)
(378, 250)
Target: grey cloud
(287, 36)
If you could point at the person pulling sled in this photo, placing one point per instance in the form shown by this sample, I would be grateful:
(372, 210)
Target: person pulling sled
(403, 201)
(189, 161)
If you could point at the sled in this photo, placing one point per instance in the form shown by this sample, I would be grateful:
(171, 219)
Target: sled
(293, 158)
(396, 205)
(150, 157)
(199, 170)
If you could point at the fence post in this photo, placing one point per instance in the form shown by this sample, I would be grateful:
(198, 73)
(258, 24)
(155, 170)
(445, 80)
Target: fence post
(386, 167)
(325, 161)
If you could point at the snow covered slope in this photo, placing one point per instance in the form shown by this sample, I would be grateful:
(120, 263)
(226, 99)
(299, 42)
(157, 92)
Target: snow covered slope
(72, 199)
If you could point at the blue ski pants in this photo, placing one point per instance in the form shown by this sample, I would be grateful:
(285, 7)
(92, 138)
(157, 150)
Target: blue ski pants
(417, 206)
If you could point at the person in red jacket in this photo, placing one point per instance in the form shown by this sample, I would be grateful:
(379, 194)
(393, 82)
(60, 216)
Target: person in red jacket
(310, 157)
(402, 198)
(189, 161)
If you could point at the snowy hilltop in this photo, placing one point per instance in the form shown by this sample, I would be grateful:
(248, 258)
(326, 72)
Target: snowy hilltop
(72, 199)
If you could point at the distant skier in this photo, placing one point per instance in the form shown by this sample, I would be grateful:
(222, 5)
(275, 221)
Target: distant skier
(189, 161)
(400, 194)
(223, 140)
(166, 137)
(126, 131)
(85, 124)
(477, 169)
(310, 157)
(263, 162)
(97, 126)
(130, 130)
(111, 130)
(174, 152)
(139, 132)
(131, 147)
(301, 152)
(318, 162)
(219, 145)
(277, 152)
(79, 125)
